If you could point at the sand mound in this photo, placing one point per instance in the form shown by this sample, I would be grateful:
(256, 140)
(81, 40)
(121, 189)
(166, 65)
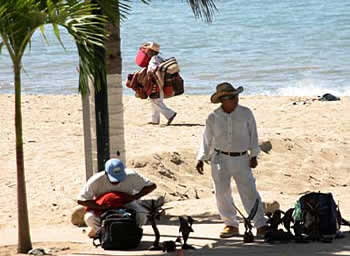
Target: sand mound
(175, 175)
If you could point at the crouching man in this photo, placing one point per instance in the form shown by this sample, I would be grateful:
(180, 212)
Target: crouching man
(115, 178)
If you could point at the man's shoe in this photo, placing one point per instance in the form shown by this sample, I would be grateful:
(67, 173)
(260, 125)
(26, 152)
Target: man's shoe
(171, 119)
(229, 231)
(260, 232)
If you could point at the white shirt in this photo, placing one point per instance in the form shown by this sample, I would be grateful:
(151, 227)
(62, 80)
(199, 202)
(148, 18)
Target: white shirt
(98, 184)
(154, 62)
(229, 132)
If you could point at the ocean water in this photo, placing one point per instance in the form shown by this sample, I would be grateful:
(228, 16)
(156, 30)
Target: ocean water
(269, 47)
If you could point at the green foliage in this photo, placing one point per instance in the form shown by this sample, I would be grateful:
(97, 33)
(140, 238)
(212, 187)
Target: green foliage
(19, 19)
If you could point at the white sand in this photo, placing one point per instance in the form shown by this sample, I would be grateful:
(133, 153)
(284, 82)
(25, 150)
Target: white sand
(310, 151)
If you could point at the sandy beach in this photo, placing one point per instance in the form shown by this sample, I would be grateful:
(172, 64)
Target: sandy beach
(305, 142)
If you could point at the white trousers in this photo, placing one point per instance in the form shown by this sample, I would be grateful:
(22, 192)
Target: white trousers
(223, 168)
(94, 221)
(158, 106)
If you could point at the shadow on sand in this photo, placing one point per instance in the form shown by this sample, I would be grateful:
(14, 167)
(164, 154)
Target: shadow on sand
(210, 244)
(235, 245)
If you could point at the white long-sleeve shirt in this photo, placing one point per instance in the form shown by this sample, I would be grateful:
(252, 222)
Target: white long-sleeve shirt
(154, 62)
(229, 132)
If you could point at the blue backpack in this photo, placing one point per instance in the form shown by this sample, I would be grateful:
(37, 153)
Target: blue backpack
(316, 217)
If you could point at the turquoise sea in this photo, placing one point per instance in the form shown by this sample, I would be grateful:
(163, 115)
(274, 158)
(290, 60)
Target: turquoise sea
(270, 47)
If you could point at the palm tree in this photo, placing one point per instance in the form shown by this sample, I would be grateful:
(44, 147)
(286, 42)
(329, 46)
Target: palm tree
(117, 10)
(19, 19)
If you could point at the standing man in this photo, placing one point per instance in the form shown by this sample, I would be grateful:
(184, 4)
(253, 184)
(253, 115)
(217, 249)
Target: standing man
(115, 178)
(157, 96)
(230, 143)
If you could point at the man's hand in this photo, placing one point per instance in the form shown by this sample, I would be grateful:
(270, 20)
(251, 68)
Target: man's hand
(253, 162)
(199, 167)
(91, 204)
(129, 198)
(144, 191)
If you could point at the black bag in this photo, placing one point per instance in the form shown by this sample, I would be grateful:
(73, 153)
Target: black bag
(173, 85)
(319, 217)
(119, 230)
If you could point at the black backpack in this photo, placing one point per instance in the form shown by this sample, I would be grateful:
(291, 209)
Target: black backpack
(119, 230)
(319, 217)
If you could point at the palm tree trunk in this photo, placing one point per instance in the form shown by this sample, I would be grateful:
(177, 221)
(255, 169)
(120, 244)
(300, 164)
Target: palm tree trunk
(24, 241)
(115, 91)
(88, 105)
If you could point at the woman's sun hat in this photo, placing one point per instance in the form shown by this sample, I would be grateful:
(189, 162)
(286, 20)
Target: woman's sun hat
(152, 46)
(224, 89)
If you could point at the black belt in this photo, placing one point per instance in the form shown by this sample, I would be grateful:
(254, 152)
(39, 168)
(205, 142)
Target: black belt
(231, 153)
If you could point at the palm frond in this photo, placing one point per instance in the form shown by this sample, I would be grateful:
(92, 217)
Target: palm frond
(204, 9)
(124, 10)
(116, 10)
(57, 34)
(91, 67)
(42, 30)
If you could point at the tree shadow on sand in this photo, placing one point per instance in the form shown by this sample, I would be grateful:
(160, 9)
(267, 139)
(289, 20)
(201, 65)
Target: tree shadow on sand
(236, 246)
(204, 218)
(210, 244)
(140, 250)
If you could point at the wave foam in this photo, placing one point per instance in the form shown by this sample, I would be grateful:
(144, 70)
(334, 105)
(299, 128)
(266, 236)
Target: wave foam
(309, 88)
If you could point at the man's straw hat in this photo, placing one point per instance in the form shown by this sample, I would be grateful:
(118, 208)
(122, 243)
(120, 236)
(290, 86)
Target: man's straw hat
(224, 89)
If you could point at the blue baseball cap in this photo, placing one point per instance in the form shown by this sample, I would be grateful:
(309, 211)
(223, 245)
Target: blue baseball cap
(115, 170)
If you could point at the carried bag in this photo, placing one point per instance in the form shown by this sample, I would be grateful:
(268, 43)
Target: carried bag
(173, 85)
(140, 83)
(142, 59)
(169, 66)
(119, 230)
